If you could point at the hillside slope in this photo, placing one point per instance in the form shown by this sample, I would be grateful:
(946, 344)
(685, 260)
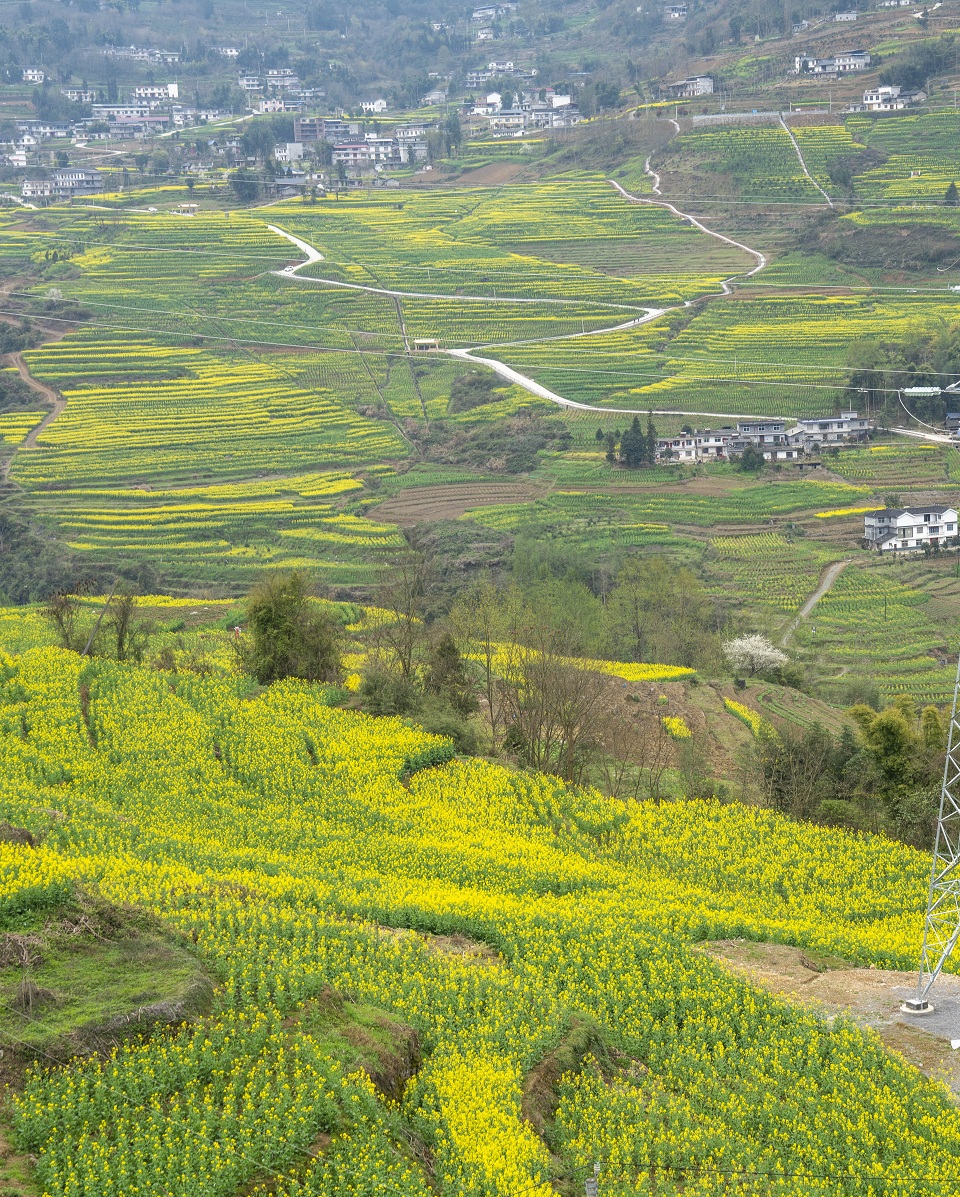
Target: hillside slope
(314, 855)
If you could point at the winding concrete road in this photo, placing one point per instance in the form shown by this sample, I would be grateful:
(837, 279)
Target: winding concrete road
(313, 255)
(662, 203)
(803, 165)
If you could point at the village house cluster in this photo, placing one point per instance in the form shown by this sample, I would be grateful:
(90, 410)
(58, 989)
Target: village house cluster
(532, 108)
(775, 439)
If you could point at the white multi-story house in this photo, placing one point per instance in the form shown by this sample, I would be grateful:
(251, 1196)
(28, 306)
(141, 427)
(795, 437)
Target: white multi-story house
(112, 112)
(701, 445)
(290, 151)
(282, 77)
(33, 75)
(63, 183)
(157, 91)
(891, 99)
(78, 95)
(895, 529)
(249, 83)
(831, 430)
(37, 189)
(839, 64)
(689, 89)
(373, 107)
(370, 152)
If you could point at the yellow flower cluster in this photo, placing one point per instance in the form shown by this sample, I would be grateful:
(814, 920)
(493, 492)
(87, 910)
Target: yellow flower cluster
(677, 727)
(825, 515)
(508, 920)
(753, 719)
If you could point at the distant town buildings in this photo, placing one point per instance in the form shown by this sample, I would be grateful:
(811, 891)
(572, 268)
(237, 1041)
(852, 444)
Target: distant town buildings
(499, 70)
(143, 54)
(540, 108)
(491, 12)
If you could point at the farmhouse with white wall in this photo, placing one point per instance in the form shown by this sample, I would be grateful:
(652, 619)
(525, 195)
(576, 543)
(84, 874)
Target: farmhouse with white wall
(895, 529)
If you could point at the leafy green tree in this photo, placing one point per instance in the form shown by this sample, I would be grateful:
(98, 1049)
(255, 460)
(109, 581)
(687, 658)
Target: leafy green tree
(952, 197)
(659, 611)
(633, 445)
(245, 185)
(903, 751)
(751, 460)
(651, 439)
(447, 676)
(287, 634)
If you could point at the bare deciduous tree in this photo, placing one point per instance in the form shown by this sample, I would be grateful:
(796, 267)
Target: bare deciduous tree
(398, 642)
(636, 749)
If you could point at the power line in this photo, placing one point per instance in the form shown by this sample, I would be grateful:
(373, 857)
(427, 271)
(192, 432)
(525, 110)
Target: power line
(657, 375)
(581, 336)
(632, 374)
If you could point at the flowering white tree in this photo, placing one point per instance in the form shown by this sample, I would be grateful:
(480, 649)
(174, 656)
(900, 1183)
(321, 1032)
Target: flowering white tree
(752, 654)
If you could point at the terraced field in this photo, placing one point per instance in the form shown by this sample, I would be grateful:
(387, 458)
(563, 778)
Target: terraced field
(923, 151)
(875, 622)
(407, 945)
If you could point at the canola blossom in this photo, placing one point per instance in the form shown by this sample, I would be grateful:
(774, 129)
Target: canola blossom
(676, 726)
(826, 515)
(305, 849)
(753, 719)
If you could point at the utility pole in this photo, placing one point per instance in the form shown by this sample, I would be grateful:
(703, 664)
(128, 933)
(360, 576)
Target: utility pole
(941, 927)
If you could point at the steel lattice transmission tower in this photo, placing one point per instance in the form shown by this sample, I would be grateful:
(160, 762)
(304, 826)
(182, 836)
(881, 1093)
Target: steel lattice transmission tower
(941, 928)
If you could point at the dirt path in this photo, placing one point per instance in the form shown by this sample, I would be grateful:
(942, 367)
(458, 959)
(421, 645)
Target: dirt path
(803, 165)
(829, 576)
(870, 996)
(54, 398)
(57, 402)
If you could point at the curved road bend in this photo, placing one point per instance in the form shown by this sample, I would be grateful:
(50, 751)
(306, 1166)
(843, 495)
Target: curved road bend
(507, 372)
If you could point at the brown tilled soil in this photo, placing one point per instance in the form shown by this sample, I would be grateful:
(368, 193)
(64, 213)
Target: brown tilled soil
(871, 997)
(447, 502)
